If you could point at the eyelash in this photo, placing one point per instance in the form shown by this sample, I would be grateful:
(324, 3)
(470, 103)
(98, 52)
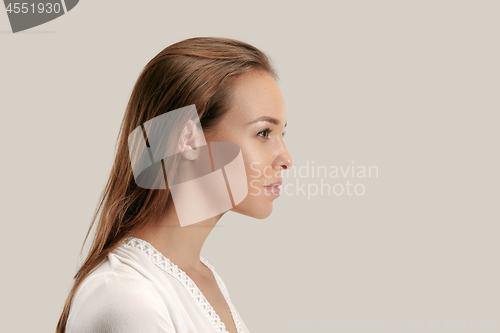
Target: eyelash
(267, 131)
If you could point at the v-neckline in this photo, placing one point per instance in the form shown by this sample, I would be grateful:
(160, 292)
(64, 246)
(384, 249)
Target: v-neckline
(166, 265)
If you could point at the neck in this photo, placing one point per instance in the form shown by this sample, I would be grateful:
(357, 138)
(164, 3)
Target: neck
(181, 245)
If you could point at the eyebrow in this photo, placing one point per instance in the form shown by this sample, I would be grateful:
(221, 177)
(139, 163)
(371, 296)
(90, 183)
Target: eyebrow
(268, 119)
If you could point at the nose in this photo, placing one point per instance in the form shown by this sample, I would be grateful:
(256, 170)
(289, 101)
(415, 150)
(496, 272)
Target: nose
(283, 161)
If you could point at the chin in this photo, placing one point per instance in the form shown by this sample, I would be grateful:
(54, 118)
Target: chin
(258, 210)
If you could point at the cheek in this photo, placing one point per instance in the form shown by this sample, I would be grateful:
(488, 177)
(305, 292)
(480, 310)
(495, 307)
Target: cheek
(253, 165)
(254, 177)
(257, 166)
(255, 173)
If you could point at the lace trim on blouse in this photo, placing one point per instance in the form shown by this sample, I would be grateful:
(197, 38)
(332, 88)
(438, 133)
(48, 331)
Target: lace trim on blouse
(165, 264)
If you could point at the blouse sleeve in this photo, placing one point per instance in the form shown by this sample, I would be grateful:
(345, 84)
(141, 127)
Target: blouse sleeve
(110, 302)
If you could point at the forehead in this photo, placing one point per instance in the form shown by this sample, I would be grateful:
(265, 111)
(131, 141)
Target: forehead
(256, 94)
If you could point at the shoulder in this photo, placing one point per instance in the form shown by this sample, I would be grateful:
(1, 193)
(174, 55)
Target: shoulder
(110, 301)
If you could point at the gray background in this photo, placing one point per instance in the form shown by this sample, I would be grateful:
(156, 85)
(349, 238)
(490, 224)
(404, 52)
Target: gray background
(411, 87)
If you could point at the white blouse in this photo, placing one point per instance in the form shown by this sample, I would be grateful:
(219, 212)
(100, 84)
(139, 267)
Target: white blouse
(136, 289)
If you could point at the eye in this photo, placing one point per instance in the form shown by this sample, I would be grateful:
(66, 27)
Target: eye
(264, 133)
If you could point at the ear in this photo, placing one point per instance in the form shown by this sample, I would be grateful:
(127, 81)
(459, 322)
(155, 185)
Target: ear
(190, 139)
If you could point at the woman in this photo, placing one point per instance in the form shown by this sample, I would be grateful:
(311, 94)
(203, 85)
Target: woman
(144, 272)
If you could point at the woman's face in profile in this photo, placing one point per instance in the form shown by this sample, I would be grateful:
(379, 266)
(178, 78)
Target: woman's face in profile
(255, 123)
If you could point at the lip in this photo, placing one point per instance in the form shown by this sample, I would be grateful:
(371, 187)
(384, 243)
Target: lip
(273, 188)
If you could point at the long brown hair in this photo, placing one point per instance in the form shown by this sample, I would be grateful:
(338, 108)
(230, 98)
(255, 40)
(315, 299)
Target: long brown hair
(195, 71)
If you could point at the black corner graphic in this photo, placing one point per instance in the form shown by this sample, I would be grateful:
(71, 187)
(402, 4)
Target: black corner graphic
(28, 14)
